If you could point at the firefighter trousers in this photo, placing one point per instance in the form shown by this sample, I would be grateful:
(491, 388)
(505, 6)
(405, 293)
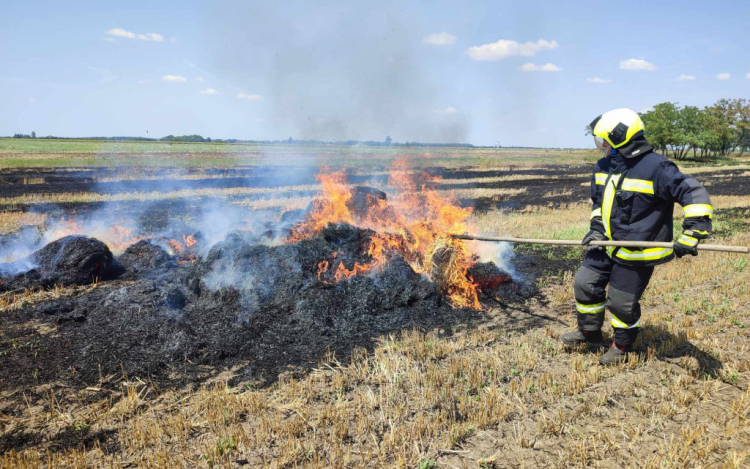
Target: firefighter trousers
(626, 286)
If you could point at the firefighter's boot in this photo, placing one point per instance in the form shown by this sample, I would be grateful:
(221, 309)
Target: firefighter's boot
(581, 337)
(616, 354)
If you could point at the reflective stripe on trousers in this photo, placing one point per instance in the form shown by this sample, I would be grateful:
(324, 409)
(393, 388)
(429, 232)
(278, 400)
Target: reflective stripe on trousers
(626, 286)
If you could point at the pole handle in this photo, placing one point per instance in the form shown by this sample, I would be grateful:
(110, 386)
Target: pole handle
(625, 244)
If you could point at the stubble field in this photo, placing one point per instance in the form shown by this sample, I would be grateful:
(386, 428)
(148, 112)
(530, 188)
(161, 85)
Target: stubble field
(488, 388)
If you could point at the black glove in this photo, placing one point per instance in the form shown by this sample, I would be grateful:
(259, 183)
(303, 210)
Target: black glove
(594, 235)
(688, 242)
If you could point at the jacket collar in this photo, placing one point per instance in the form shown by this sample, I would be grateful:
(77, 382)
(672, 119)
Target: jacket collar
(637, 146)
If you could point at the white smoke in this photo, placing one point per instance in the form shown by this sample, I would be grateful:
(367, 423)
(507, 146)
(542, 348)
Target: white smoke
(499, 253)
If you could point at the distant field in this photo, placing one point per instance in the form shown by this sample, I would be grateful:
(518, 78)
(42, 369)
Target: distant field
(19, 153)
(12, 145)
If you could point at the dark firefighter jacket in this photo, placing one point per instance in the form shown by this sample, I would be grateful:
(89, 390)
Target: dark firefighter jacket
(634, 199)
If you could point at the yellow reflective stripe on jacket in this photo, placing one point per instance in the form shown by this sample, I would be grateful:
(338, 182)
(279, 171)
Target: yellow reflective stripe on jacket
(596, 213)
(617, 323)
(638, 185)
(608, 199)
(601, 178)
(698, 210)
(650, 254)
(590, 309)
(687, 240)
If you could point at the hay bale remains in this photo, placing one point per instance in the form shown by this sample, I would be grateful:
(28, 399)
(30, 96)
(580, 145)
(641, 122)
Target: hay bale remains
(145, 257)
(72, 260)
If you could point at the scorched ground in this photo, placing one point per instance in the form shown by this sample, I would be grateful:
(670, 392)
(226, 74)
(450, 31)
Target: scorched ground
(358, 263)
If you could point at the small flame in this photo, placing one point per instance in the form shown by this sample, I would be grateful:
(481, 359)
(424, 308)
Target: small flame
(189, 258)
(189, 240)
(176, 246)
(340, 272)
(322, 269)
(183, 250)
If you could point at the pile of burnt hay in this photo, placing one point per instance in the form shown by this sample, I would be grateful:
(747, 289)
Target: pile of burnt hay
(72, 260)
(260, 306)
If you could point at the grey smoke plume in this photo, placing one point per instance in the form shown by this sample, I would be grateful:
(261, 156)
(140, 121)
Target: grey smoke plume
(331, 70)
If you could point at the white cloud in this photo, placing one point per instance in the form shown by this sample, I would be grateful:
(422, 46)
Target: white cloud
(747, 76)
(598, 80)
(108, 39)
(447, 111)
(637, 64)
(119, 32)
(199, 79)
(151, 37)
(172, 39)
(508, 48)
(530, 67)
(209, 91)
(143, 82)
(249, 97)
(259, 120)
(723, 76)
(32, 99)
(439, 39)
(684, 77)
(174, 78)
(106, 75)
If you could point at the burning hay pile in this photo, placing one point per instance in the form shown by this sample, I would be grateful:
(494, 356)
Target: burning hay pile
(360, 264)
(414, 225)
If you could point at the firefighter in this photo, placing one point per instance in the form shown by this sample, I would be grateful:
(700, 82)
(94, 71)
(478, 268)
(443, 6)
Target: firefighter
(634, 190)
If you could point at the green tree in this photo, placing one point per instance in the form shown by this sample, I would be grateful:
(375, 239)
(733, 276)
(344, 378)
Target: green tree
(721, 124)
(742, 124)
(663, 128)
(33, 134)
(717, 130)
(707, 139)
(690, 127)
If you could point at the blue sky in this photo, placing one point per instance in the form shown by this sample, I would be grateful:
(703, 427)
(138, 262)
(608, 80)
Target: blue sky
(526, 73)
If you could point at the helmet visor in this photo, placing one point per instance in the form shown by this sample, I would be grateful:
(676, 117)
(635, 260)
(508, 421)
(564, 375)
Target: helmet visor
(602, 145)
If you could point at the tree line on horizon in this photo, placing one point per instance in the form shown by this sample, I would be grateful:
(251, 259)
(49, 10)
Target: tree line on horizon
(290, 141)
(719, 130)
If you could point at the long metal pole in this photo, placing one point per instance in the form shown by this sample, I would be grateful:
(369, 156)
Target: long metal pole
(625, 244)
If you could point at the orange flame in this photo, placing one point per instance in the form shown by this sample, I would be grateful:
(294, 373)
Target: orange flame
(331, 207)
(189, 240)
(184, 250)
(322, 269)
(176, 246)
(116, 237)
(414, 223)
